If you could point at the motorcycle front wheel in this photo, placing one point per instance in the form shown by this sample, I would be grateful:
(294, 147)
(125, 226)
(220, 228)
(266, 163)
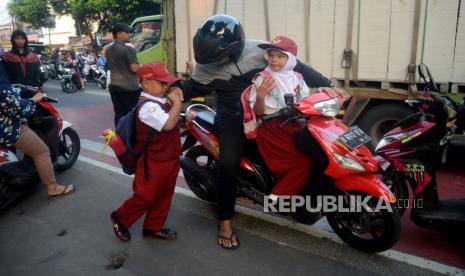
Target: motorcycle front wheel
(368, 230)
(102, 83)
(69, 148)
(68, 86)
(396, 182)
(200, 176)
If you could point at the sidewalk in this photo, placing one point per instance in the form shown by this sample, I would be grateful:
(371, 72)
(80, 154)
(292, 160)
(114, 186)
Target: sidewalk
(73, 236)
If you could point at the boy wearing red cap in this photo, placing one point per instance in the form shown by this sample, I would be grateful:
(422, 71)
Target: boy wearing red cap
(154, 182)
(275, 141)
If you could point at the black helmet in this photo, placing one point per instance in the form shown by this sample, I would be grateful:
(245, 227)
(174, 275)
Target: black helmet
(219, 39)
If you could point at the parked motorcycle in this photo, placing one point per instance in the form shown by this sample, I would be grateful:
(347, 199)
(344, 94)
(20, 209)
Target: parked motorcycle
(343, 166)
(99, 75)
(18, 174)
(71, 81)
(44, 73)
(412, 152)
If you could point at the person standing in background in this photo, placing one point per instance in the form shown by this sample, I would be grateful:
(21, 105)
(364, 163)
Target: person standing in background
(122, 62)
(22, 65)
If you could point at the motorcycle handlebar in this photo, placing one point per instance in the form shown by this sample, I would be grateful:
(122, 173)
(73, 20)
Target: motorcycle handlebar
(285, 113)
(421, 99)
(48, 99)
(29, 92)
(425, 99)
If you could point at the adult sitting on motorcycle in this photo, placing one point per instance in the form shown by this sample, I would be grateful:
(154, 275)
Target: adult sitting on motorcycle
(275, 140)
(227, 63)
(13, 109)
(71, 61)
(87, 60)
(22, 65)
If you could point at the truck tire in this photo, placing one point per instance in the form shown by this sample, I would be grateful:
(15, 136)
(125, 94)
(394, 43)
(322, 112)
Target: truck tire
(380, 119)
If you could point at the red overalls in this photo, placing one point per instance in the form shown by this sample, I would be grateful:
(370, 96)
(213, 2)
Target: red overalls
(152, 196)
(290, 166)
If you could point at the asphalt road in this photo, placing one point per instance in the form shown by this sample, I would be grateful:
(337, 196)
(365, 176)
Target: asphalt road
(73, 235)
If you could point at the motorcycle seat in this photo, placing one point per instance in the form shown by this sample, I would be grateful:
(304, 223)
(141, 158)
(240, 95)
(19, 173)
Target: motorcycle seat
(207, 120)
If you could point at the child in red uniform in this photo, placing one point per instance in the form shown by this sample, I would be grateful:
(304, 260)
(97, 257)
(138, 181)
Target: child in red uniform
(153, 191)
(275, 141)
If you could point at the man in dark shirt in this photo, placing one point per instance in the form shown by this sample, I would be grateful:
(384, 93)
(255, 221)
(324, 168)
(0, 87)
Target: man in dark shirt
(122, 62)
(22, 65)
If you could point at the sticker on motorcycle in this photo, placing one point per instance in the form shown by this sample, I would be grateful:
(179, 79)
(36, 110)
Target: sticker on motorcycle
(415, 171)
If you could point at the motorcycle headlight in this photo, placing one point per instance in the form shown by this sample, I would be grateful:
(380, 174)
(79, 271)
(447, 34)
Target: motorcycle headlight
(395, 137)
(348, 163)
(328, 108)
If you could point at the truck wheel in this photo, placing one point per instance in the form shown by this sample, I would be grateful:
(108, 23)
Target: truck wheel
(380, 119)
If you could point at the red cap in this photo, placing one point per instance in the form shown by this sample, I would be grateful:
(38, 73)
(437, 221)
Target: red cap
(155, 71)
(281, 43)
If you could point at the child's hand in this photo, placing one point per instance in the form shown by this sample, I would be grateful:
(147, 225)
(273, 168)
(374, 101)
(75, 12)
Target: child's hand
(176, 90)
(265, 87)
(174, 98)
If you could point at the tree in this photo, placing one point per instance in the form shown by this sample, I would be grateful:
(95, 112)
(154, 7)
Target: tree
(103, 13)
(35, 12)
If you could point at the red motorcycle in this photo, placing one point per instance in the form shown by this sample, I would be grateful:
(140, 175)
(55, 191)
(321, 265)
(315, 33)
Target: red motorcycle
(412, 152)
(343, 167)
(18, 174)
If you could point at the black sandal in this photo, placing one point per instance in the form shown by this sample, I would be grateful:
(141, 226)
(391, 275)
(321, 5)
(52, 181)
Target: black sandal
(230, 238)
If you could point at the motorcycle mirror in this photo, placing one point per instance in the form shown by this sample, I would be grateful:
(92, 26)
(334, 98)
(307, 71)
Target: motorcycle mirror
(289, 99)
(423, 71)
(425, 74)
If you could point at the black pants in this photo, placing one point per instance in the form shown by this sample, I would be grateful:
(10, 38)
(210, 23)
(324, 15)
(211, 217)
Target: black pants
(231, 142)
(123, 100)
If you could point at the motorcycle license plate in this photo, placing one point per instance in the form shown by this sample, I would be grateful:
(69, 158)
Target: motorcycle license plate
(354, 138)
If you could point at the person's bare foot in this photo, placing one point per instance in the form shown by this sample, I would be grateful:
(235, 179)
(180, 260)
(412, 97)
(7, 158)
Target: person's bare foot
(226, 237)
(58, 190)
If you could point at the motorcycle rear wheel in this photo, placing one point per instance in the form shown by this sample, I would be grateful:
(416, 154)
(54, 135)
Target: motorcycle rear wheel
(368, 231)
(69, 148)
(202, 181)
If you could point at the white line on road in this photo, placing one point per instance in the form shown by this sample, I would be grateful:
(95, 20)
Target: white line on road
(315, 230)
(97, 93)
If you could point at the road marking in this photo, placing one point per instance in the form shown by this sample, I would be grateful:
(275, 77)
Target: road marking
(319, 229)
(96, 93)
(97, 147)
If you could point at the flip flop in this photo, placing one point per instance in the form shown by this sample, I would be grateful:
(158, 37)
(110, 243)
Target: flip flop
(230, 238)
(66, 191)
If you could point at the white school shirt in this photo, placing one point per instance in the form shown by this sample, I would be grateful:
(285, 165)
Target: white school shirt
(274, 101)
(152, 114)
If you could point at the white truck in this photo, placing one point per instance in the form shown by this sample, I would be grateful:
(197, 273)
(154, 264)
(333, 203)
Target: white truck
(369, 47)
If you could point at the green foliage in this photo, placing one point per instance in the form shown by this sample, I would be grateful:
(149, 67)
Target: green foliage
(35, 12)
(86, 13)
(104, 12)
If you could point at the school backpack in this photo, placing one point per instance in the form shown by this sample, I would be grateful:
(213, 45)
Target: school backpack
(122, 140)
(250, 120)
